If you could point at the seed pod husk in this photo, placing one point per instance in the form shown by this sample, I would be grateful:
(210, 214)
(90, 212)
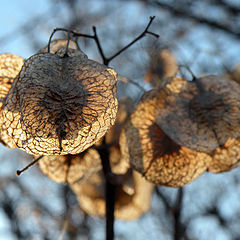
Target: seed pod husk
(129, 205)
(150, 151)
(71, 168)
(203, 115)
(10, 66)
(60, 103)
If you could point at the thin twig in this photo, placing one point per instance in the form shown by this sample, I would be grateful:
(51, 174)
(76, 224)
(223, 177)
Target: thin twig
(19, 172)
(74, 34)
(135, 40)
(106, 60)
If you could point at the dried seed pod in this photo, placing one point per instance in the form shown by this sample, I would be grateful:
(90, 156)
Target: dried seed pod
(226, 157)
(60, 103)
(126, 106)
(119, 166)
(152, 153)
(58, 44)
(163, 65)
(235, 74)
(10, 66)
(204, 115)
(128, 206)
(71, 168)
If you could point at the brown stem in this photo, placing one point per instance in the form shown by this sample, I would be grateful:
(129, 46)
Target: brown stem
(136, 39)
(111, 180)
(110, 190)
(178, 233)
(19, 172)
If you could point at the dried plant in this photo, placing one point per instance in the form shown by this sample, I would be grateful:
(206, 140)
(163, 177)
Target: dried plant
(152, 152)
(10, 66)
(60, 103)
(203, 115)
(131, 201)
(71, 168)
(184, 128)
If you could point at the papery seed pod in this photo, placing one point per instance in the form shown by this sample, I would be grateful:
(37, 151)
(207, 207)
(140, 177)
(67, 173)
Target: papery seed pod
(125, 107)
(10, 66)
(71, 168)
(152, 152)
(235, 74)
(226, 157)
(129, 205)
(163, 65)
(119, 166)
(60, 103)
(58, 44)
(204, 115)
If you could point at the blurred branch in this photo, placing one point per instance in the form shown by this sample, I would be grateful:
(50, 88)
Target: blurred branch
(177, 212)
(233, 10)
(9, 209)
(185, 13)
(163, 198)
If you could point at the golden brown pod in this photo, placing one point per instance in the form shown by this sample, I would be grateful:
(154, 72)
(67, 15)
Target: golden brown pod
(235, 74)
(203, 115)
(152, 152)
(10, 66)
(119, 166)
(129, 205)
(71, 168)
(226, 157)
(57, 44)
(60, 103)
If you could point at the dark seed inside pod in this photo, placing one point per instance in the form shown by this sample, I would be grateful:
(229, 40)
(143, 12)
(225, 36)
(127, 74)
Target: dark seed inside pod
(61, 103)
(203, 115)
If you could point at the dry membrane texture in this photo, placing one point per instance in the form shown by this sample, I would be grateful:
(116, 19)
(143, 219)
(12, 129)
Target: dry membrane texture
(203, 115)
(58, 44)
(118, 164)
(10, 66)
(60, 103)
(226, 157)
(129, 205)
(71, 168)
(152, 152)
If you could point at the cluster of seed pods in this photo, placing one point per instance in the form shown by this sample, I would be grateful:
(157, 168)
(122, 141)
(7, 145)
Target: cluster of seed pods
(60, 104)
(182, 128)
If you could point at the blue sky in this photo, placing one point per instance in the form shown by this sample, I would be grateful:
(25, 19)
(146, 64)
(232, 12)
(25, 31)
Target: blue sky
(13, 15)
